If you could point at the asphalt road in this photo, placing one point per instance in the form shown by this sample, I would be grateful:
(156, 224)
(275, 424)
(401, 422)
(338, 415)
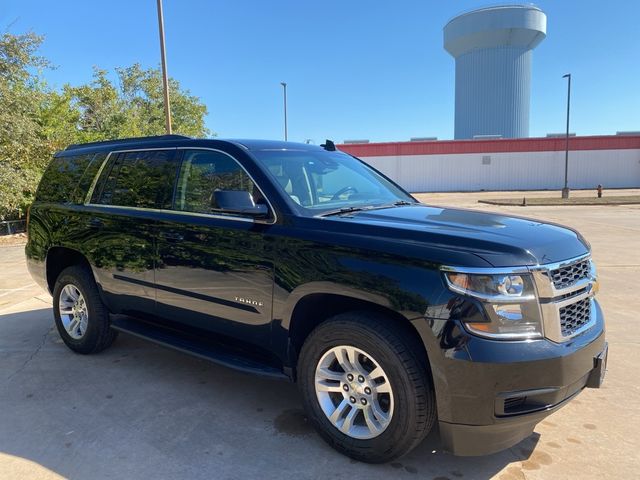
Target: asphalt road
(141, 411)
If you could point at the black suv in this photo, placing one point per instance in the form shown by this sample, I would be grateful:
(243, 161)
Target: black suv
(303, 262)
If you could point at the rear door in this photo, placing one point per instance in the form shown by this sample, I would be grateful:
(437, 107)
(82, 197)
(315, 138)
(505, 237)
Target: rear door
(212, 272)
(121, 218)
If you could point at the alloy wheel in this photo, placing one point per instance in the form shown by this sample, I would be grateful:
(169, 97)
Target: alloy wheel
(354, 392)
(73, 311)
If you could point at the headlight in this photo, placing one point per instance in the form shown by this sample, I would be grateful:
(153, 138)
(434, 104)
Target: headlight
(495, 288)
(509, 301)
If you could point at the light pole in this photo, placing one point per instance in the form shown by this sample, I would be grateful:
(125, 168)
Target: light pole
(165, 78)
(284, 91)
(565, 190)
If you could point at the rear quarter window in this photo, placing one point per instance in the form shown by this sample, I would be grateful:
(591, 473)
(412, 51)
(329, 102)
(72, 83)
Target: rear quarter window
(64, 179)
(142, 179)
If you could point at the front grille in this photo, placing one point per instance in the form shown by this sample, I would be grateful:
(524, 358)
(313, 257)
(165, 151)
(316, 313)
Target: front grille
(564, 277)
(574, 316)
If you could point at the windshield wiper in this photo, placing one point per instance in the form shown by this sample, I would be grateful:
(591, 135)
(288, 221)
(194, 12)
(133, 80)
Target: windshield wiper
(341, 211)
(344, 210)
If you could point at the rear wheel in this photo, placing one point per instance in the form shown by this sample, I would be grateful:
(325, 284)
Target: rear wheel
(366, 387)
(81, 318)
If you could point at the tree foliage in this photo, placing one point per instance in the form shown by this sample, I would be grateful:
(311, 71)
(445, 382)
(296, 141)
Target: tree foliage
(37, 121)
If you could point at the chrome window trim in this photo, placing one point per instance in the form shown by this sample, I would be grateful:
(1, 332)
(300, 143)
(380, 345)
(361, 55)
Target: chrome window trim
(176, 212)
(87, 198)
(241, 218)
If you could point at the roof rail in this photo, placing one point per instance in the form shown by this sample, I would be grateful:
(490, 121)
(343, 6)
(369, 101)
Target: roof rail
(124, 140)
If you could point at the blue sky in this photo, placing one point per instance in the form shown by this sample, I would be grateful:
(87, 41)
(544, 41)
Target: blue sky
(355, 69)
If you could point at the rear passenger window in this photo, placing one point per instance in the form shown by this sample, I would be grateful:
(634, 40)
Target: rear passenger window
(140, 179)
(89, 175)
(60, 182)
(202, 173)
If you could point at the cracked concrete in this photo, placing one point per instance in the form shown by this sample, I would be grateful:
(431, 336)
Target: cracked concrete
(32, 356)
(140, 411)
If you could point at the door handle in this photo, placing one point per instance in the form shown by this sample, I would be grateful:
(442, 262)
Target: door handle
(96, 223)
(172, 236)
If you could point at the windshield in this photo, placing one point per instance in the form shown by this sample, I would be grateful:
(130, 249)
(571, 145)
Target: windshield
(321, 181)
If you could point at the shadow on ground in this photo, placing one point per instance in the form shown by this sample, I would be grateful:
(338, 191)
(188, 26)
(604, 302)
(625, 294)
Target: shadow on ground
(141, 411)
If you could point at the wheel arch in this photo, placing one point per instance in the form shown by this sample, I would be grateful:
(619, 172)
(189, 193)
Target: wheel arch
(58, 258)
(311, 306)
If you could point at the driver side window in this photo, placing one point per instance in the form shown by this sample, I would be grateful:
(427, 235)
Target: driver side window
(203, 172)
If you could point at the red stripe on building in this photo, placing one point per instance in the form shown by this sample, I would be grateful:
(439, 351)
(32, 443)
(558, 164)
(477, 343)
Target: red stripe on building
(447, 147)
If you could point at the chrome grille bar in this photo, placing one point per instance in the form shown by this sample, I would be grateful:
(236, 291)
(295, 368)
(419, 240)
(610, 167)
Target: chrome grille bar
(565, 291)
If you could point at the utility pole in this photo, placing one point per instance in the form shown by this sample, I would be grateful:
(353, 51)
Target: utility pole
(565, 190)
(284, 87)
(165, 78)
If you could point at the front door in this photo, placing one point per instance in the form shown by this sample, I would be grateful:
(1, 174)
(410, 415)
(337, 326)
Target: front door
(211, 271)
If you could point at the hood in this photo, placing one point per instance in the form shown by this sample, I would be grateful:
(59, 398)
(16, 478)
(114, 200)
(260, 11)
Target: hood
(501, 240)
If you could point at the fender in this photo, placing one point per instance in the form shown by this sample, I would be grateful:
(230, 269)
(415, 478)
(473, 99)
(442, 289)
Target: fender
(69, 256)
(328, 288)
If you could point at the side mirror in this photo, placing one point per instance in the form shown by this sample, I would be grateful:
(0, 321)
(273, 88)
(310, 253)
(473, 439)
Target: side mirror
(238, 201)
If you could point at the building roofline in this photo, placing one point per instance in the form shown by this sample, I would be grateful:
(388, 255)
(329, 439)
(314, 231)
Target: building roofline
(534, 144)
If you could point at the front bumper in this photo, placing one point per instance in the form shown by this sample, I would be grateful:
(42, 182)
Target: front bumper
(492, 393)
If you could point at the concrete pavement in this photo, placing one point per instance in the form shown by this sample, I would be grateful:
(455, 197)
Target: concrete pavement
(141, 411)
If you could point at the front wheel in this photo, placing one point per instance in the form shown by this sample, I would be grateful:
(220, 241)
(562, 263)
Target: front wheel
(366, 387)
(81, 318)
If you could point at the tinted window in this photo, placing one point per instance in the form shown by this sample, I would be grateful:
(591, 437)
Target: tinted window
(140, 179)
(60, 182)
(202, 173)
(84, 184)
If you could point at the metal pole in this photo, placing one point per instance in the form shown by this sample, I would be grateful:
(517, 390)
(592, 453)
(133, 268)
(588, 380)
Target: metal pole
(565, 190)
(284, 87)
(165, 78)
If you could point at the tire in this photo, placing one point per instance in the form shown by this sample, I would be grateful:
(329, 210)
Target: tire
(93, 333)
(407, 413)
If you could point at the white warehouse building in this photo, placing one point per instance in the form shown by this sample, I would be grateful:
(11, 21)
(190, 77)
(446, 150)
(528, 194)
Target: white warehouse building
(506, 164)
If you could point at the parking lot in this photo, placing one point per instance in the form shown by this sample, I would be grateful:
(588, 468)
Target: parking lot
(141, 411)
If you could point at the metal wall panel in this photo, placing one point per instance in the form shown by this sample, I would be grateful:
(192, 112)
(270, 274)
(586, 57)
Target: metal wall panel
(493, 91)
(512, 171)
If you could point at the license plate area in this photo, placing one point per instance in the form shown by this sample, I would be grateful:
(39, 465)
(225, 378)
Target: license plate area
(596, 377)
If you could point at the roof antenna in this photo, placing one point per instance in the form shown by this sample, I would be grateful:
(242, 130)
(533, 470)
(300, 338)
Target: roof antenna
(329, 146)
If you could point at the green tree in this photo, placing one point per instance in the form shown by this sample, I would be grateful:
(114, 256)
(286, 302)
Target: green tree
(37, 121)
(142, 95)
(23, 150)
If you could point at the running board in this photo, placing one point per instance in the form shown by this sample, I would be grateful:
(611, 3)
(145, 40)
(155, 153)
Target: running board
(214, 352)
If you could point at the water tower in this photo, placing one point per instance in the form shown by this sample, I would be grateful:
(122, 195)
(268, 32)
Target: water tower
(493, 48)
